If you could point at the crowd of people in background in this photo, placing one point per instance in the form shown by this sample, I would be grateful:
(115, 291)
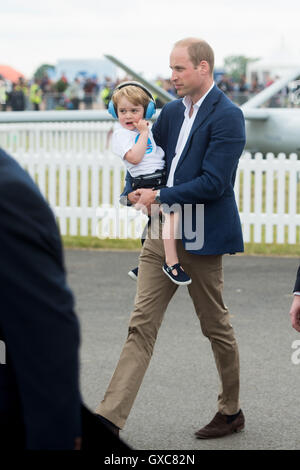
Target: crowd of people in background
(46, 94)
(89, 93)
(241, 91)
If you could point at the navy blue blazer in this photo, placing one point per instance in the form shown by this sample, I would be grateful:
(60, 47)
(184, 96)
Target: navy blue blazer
(40, 402)
(205, 173)
(39, 385)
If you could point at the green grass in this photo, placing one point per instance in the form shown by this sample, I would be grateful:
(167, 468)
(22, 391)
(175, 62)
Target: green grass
(270, 249)
(134, 245)
(97, 243)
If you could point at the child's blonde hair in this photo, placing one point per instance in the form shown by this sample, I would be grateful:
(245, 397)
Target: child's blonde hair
(132, 93)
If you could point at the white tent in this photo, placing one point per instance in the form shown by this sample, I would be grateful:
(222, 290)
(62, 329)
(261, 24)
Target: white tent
(280, 62)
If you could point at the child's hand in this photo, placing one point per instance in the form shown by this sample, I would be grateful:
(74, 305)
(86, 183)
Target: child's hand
(142, 125)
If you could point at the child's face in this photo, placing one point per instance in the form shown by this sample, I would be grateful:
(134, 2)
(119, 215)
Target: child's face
(129, 114)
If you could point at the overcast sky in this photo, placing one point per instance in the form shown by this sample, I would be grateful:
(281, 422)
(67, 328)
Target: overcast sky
(141, 33)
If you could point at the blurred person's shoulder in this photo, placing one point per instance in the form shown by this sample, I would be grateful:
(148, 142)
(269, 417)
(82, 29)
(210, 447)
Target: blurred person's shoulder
(20, 193)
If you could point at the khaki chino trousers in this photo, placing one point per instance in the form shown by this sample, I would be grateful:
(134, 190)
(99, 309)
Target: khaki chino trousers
(154, 292)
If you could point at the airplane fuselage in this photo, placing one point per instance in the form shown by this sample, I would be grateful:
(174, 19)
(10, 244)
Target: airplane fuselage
(280, 132)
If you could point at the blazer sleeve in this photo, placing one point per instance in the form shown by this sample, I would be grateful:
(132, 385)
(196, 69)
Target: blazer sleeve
(297, 284)
(219, 163)
(38, 323)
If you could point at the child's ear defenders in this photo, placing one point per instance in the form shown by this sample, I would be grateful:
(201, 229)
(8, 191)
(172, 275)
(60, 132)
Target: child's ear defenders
(149, 109)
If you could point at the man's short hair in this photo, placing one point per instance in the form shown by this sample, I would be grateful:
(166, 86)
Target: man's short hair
(198, 50)
(133, 94)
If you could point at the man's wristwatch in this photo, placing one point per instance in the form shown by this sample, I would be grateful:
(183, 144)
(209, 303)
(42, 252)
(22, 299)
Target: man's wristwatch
(125, 201)
(157, 197)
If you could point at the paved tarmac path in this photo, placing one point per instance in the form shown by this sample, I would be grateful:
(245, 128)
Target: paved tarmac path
(179, 392)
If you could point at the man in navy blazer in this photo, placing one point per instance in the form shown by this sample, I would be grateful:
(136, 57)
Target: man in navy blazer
(203, 136)
(40, 402)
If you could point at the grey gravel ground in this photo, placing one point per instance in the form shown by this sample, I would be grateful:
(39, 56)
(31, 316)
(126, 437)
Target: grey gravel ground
(180, 388)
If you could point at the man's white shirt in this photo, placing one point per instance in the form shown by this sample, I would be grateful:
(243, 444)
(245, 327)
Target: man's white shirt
(185, 131)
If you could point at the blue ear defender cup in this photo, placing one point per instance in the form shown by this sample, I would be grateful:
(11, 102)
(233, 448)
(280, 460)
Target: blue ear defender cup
(149, 109)
(111, 109)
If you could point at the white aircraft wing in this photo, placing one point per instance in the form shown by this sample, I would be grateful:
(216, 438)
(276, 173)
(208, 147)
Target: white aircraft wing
(256, 114)
(271, 90)
(157, 90)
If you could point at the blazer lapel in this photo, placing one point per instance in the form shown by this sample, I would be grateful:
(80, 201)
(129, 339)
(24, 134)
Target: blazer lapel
(205, 109)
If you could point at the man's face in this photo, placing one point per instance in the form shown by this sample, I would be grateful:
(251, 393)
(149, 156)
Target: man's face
(186, 78)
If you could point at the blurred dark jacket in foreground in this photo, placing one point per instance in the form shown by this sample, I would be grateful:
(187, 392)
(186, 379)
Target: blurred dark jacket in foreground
(40, 402)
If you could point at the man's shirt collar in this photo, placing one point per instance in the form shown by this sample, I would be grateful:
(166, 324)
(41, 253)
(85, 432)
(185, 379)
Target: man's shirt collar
(188, 102)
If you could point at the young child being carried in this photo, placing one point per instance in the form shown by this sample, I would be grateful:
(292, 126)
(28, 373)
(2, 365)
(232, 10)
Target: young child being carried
(132, 140)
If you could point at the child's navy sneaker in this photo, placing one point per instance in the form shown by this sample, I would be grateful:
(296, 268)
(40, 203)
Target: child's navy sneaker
(181, 278)
(133, 274)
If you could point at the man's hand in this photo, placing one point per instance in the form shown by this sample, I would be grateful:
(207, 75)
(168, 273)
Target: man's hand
(295, 313)
(133, 197)
(146, 199)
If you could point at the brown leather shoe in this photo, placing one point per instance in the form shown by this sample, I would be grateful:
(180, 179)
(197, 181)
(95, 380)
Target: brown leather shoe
(221, 426)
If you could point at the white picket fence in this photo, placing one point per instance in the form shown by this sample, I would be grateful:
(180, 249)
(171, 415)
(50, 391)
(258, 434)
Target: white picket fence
(268, 197)
(75, 170)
